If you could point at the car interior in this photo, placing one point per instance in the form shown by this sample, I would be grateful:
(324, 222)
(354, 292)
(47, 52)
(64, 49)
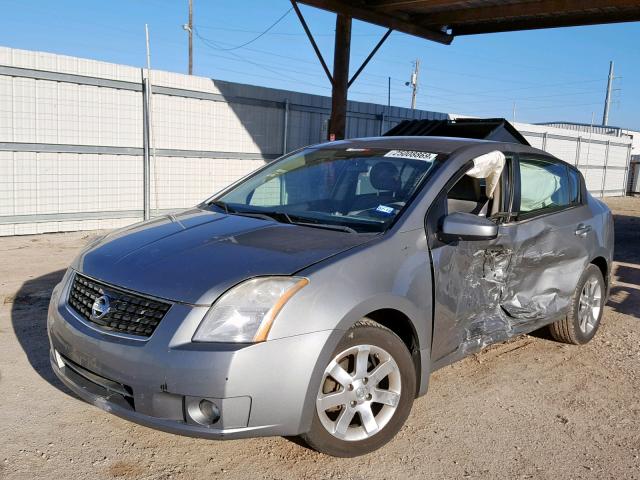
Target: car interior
(468, 195)
(367, 188)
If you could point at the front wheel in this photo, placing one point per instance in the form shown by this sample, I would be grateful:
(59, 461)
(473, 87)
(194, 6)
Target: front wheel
(365, 394)
(587, 307)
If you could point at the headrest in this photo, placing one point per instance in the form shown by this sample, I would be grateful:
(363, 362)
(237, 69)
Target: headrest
(384, 176)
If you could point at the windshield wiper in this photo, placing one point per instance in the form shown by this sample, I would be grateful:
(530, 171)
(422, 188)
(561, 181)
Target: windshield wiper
(281, 217)
(264, 216)
(222, 205)
(277, 216)
(326, 226)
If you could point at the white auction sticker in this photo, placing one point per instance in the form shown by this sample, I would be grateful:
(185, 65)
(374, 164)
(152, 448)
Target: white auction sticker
(427, 156)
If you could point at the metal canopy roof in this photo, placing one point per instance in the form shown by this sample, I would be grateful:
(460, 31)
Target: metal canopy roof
(496, 129)
(442, 20)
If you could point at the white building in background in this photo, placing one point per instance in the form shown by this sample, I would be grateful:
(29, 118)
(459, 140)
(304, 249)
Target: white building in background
(634, 135)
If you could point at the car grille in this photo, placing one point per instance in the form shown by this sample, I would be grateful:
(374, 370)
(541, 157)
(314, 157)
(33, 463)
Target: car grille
(127, 312)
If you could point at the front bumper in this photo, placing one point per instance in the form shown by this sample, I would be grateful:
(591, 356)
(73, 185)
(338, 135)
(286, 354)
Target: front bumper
(260, 389)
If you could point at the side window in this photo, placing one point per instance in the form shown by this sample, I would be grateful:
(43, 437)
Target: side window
(574, 186)
(544, 185)
(468, 195)
(471, 195)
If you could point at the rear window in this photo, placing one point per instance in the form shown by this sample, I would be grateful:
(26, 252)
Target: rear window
(574, 186)
(544, 185)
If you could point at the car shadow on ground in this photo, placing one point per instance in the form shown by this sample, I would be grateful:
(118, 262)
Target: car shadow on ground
(625, 289)
(29, 321)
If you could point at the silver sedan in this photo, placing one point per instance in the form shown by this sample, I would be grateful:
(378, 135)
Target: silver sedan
(315, 296)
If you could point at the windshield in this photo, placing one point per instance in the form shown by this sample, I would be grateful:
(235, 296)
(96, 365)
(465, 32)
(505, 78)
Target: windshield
(357, 190)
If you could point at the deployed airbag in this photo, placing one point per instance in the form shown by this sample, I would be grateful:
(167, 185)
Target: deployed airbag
(539, 189)
(488, 166)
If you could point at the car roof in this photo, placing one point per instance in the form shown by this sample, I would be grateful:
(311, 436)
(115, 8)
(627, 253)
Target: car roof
(433, 144)
(445, 145)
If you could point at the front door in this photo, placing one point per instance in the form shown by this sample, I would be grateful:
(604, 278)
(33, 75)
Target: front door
(490, 290)
(468, 276)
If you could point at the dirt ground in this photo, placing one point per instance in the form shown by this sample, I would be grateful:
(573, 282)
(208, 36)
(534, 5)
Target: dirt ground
(528, 408)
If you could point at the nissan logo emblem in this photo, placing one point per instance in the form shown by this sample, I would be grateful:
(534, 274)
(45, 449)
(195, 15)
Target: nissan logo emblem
(100, 307)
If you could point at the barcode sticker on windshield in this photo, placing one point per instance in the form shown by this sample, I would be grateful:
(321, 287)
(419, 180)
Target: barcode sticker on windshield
(429, 157)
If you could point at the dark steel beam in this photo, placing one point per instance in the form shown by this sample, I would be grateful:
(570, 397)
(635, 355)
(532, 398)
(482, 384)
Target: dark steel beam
(370, 56)
(311, 39)
(399, 21)
(519, 11)
(342, 51)
(412, 4)
(545, 22)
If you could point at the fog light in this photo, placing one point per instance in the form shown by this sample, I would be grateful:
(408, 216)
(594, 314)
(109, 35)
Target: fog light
(210, 411)
(204, 412)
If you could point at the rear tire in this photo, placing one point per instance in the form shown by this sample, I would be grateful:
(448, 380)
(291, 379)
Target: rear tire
(587, 307)
(365, 394)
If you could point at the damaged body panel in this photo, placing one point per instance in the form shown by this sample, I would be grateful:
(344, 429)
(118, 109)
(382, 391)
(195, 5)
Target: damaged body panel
(487, 291)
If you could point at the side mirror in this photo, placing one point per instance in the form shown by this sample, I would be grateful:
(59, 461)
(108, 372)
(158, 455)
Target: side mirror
(466, 226)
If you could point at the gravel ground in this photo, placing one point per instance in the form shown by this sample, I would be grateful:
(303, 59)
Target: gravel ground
(528, 408)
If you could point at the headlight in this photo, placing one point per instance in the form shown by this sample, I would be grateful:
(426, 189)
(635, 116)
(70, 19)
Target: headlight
(246, 312)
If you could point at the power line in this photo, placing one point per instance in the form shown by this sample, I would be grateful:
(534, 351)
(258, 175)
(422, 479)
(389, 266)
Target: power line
(485, 93)
(237, 47)
(401, 82)
(284, 34)
(374, 94)
(238, 58)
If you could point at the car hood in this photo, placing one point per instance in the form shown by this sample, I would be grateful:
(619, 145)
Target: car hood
(195, 255)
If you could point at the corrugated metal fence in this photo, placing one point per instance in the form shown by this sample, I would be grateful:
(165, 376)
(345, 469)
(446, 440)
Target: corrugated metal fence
(72, 139)
(602, 159)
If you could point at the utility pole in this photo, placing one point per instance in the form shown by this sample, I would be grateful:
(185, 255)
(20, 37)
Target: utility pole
(413, 83)
(150, 140)
(384, 119)
(188, 27)
(607, 98)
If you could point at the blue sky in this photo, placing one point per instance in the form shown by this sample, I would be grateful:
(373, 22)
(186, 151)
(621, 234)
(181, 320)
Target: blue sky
(555, 74)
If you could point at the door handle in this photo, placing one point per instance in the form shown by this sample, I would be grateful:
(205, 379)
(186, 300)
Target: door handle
(582, 230)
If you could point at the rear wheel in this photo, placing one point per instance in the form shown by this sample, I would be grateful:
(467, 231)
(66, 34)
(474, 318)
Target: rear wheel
(587, 308)
(365, 394)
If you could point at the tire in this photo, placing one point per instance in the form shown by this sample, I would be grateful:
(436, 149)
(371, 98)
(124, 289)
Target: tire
(360, 422)
(587, 307)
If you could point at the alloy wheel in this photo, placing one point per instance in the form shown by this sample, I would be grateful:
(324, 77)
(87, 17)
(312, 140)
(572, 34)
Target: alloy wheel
(359, 392)
(590, 305)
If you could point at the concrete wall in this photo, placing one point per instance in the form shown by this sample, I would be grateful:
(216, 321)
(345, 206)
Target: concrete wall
(71, 139)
